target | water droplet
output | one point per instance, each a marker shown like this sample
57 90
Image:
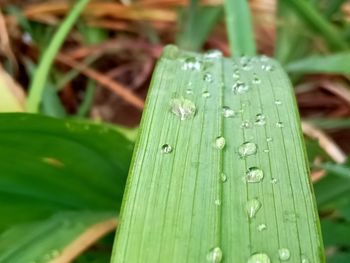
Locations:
183 108
284 254
236 74
269 139
261 227
220 142
240 88
259 258
214 53
274 181
189 91
217 202
166 148
279 124
192 63
246 66
205 94
227 112
254 175
260 119
246 149
266 150
246 124
214 255
223 177
267 67
278 102
253 206
304 259
208 77
256 80
290 216
264 58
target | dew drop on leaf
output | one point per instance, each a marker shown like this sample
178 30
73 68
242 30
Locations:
223 177
278 102
214 255
240 88
192 63
284 254
227 112
206 94
260 119
183 108
220 142
279 124
259 258
208 77
247 149
261 227
254 175
252 207
166 148
212 54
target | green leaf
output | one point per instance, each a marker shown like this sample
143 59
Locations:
338 63
335 233
342 257
46 240
315 21
195 25
190 196
49 165
239 28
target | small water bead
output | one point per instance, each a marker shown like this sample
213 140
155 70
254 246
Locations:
166 148
247 149
259 258
261 227
266 150
206 94
183 108
240 88
189 91
208 77
278 102
274 181
252 207
260 119
284 254
227 112
192 63
247 66
236 74
304 259
256 80
223 177
279 124
220 142
269 139
214 255
214 53
264 58
254 175
217 202
246 124
267 67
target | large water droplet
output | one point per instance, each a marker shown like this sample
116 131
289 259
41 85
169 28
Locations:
208 77
166 148
260 119
254 175
279 124
227 112
259 258
214 255
246 149
220 142
252 207
261 227
214 53
284 254
240 88
183 108
192 63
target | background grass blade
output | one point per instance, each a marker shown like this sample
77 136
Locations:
187 198
239 28
338 63
195 25
38 84
314 19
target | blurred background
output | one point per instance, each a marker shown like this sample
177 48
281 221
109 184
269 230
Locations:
103 71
